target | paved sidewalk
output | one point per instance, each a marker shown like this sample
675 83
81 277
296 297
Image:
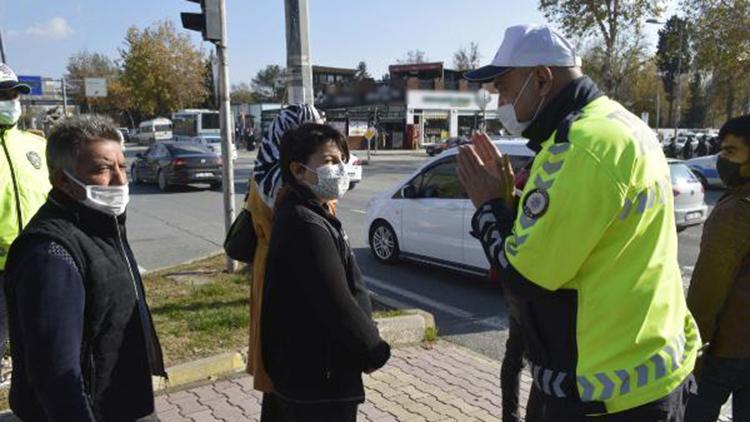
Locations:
442 383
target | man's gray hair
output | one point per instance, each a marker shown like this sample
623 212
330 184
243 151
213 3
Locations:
69 135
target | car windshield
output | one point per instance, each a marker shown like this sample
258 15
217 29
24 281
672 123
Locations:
188 149
210 121
681 174
213 140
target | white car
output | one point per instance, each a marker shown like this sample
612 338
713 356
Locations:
213 143
354 168
705 169
690 208
427 217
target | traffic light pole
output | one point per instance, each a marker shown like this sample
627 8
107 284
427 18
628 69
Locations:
226 129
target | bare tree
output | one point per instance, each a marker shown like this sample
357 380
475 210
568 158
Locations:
467 58
413 57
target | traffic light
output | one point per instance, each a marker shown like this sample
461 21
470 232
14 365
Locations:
208 22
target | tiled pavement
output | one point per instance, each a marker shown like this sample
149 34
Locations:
441 383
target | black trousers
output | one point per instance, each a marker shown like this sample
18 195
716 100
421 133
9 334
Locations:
286 411
510 372
667 409
720 378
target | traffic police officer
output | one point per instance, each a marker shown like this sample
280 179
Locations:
24 178
591 253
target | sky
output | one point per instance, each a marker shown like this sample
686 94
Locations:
40 35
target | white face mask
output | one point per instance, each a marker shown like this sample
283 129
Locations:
110 200
333 181
507 114
10 112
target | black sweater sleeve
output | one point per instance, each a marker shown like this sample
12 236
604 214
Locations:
50 302
327 287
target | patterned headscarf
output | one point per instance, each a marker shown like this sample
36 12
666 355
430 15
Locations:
267 173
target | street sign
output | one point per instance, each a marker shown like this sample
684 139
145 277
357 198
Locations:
95 87
35 82
371 132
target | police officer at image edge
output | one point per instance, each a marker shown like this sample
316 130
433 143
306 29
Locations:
24 178
590 254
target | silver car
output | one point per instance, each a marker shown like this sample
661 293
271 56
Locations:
689 205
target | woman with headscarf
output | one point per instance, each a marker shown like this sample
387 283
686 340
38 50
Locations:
263 188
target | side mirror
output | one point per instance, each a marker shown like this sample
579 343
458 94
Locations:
409 191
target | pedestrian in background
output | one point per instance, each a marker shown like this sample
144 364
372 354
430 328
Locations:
263 188
83 343
317 333
592 254
24 181
719 294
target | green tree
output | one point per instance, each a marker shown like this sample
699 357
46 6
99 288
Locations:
697 110
606 20
362 72
242 94
162 70
674 58
467 58
266 85
94 65
722 50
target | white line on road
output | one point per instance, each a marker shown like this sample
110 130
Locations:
359 211
494 323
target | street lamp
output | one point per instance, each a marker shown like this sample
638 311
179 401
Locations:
679 72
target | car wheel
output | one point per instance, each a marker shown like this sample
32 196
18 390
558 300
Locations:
352 185
162 179
134 175
216 186
383 243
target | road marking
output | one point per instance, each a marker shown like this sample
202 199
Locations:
142 270
358 211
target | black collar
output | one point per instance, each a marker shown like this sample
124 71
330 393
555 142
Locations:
304 195
576 95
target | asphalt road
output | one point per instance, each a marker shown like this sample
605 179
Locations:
169 228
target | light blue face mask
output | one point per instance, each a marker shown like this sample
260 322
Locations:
10 112
110 200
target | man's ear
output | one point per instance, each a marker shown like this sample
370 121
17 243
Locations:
544 80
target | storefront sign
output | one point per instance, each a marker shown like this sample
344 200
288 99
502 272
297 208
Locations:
357 128
447 100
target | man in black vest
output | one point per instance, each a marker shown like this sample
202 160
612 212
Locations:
82 339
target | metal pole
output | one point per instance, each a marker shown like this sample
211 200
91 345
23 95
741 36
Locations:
226 129
369 140
2 48
658 106
298 67
65 97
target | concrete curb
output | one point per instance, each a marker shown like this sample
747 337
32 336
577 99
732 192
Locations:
409 328
204 369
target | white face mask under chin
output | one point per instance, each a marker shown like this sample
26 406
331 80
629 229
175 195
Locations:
506 113
10 112
333 181
112 200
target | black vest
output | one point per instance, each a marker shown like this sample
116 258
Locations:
117 322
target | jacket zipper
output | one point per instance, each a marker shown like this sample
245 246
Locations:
15 182
127 260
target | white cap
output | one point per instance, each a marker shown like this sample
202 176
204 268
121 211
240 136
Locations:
528 46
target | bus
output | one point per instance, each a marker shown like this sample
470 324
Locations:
150 131
192 123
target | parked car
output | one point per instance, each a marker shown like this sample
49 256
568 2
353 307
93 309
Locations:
172 163
125 133
705 170
354 169
435 149
212 142
690 208
427 217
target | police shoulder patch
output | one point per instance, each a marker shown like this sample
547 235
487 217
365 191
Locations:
34 159
536 203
